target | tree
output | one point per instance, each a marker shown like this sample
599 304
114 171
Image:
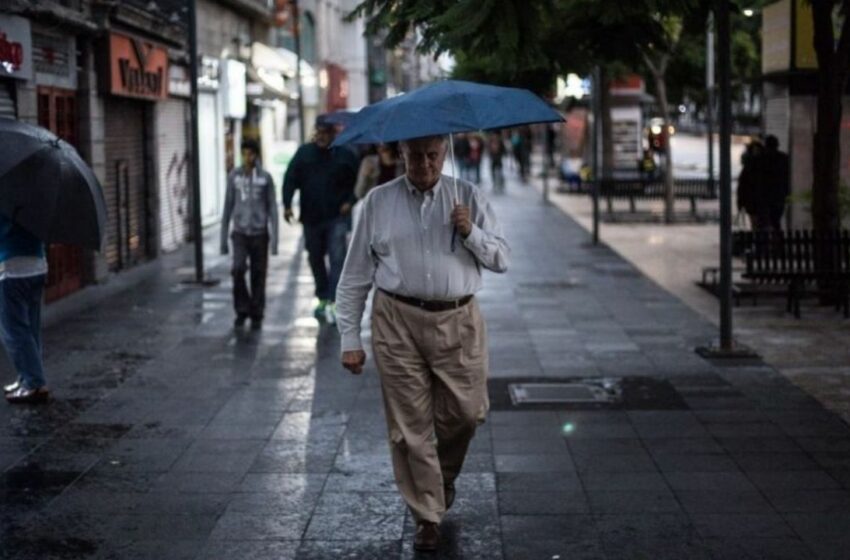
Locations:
513 39
657 58
833 56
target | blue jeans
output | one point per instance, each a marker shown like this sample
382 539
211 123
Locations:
327 239
20 323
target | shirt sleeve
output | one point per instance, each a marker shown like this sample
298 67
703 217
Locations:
273 212
485 241
291 178
228 210
356 281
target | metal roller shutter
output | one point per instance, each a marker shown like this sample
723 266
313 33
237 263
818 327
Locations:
7 102
173 159
126 188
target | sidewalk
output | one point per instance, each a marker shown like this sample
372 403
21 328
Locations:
173 437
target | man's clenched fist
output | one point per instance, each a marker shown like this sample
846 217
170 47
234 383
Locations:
353 361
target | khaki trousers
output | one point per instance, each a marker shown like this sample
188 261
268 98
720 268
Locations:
433 368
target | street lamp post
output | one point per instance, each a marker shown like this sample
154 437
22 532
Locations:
200 278
296 31
709 87
726 348
596 106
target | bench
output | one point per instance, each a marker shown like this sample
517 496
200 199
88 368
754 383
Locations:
632 189
800 259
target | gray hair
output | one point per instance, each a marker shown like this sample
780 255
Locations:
444 138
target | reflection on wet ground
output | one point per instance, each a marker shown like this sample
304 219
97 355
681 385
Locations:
174 436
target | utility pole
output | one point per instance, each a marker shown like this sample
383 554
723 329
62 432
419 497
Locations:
709 88
726 348
296 32
195 163
596 106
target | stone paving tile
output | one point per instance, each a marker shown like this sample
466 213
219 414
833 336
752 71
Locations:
173 436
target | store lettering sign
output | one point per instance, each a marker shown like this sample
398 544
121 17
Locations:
137 68
15 48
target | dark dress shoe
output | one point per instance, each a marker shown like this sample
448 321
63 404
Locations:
11 387
22 395
427 537
449 493
240 320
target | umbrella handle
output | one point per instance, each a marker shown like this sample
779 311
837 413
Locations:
454 181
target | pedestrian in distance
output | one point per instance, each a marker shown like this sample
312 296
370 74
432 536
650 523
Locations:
429 339
376 169
476 151
23 269
325 178
250 203
776 183
496 153
749 184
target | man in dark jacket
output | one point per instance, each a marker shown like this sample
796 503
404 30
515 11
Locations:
250 203
776 184
325 178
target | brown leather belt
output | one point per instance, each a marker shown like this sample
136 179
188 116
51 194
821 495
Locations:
430 305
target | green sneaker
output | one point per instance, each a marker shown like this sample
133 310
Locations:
330 313
319 312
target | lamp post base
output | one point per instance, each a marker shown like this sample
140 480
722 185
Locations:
737 352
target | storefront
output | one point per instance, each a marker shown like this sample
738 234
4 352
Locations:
172 147
54 55
16 61
211 135
134 74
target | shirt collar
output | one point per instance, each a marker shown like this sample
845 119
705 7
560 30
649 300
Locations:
411 188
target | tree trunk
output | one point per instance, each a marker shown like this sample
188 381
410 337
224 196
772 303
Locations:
669 195
607 126
832 72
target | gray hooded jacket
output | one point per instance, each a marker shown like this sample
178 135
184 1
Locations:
251 203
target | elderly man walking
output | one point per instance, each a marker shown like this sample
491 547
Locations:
428 337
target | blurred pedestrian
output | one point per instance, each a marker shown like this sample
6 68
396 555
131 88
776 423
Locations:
325 178
749 184
378 168
476 149
23 269
647 166
776 182
428 337
250 202
461 141
496 153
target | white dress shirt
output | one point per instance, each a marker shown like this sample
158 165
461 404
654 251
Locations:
402 244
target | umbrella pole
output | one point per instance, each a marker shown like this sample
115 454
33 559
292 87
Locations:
454 166
454 181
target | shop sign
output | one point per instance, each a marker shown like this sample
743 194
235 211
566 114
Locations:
15 48
54 57
233 77
179 82
208 73
137 68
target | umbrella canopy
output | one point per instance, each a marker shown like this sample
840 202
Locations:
46 187
445 107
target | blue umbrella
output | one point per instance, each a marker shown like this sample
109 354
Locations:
443 108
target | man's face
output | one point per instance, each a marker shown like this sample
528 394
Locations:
248 157
423 160
323 136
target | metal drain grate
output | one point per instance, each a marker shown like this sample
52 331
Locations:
600 391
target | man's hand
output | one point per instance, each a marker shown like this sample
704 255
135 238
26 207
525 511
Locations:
288 215
460 219
353 361
345 209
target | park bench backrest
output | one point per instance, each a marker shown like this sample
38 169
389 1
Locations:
799 253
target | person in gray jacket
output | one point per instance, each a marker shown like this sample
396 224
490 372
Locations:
251 204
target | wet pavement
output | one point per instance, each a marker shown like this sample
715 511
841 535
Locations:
173 436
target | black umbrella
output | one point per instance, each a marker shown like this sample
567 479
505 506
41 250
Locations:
46 187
